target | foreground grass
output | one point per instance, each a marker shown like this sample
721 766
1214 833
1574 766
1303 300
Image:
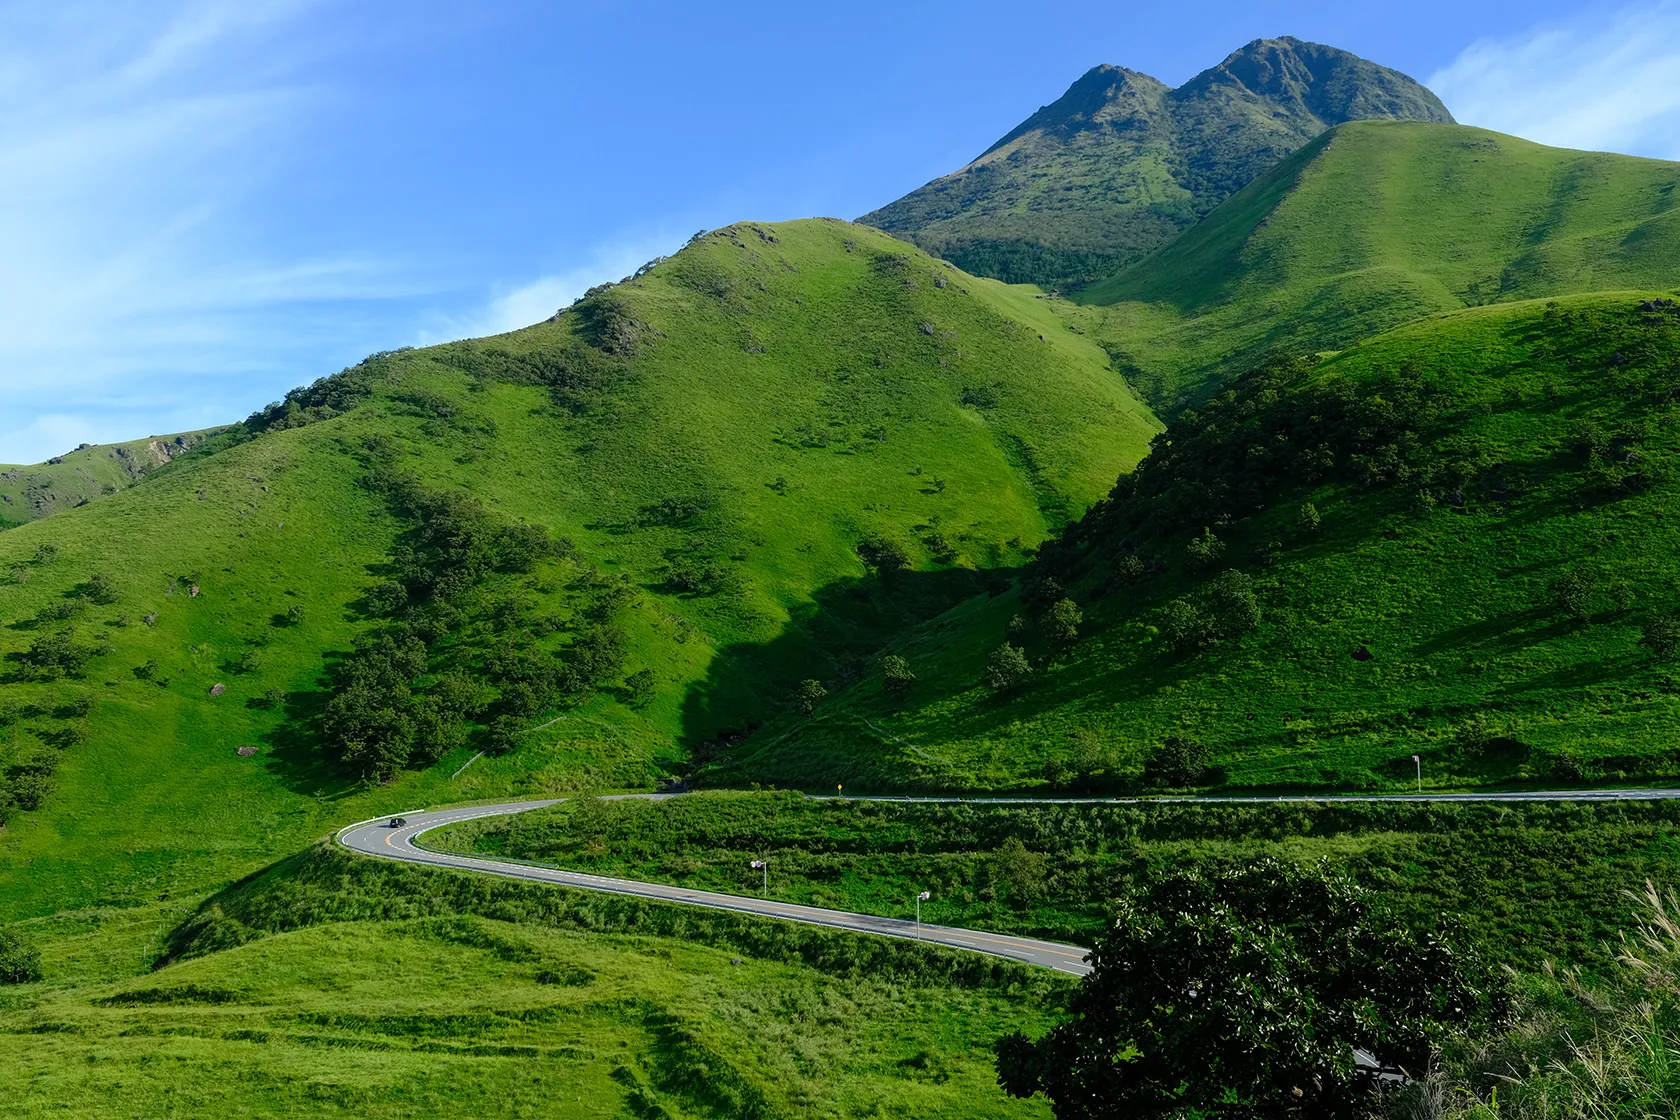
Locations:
471 1016
1536 881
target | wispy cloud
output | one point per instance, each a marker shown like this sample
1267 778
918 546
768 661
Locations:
1606 81
532 302
131 145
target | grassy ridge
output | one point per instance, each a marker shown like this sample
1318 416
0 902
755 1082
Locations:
1426 609
86 474
1373 225
752 408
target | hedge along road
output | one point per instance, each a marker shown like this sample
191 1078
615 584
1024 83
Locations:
377 838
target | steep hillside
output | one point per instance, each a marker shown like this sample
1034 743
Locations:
1457 541
90 472
1120 163
567 546
1373 225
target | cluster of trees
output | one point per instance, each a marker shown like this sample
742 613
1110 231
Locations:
27 780
1223 611
450 650
325 398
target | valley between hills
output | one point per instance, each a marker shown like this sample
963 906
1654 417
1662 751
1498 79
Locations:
1269 435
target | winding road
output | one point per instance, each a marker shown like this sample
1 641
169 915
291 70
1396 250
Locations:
377 838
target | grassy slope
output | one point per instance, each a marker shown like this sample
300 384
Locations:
1454 605
436 1017
83 475
794 351
1373 225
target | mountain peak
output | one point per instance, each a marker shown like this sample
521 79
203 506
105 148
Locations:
1121 163
1331 84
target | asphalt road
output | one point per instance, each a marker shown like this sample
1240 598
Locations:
377 838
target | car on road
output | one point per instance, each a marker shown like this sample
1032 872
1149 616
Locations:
396 822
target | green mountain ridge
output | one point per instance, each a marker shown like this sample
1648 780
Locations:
90 472
1121 163
1372 225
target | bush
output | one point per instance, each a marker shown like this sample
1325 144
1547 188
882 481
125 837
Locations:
883 555
1236 609
896 676
1177 761
1184 627
640 686
1661 634
98 588
1061 622
808 695
1006 668
1204 551
19 962
1573 591
1308 520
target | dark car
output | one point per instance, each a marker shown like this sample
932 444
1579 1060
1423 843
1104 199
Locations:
397 822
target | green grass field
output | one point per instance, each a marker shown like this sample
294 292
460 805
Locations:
427 1017
1531 881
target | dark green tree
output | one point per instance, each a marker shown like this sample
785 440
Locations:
1006 668
1061 622
1573 591
883 555
1245 992
1185 627
1177 761
1236 609
641 687
1661 634
896 676
1204 551
808 695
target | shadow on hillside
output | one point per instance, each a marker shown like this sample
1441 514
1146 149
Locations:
834 638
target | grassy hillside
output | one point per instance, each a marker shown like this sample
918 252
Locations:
460 1014
1456 540
90 472
591 528
1374 225
1120 163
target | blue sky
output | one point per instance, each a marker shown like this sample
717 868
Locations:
204 203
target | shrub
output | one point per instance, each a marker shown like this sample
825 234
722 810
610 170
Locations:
1236 609
1661 634
1184 626
97 588
19 961
1006 668
640 686
1177 761
808 695
1204 551
1061 622
1307 521
1573 591
896 676
883 555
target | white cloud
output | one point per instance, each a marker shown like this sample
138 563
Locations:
535 301
1604 82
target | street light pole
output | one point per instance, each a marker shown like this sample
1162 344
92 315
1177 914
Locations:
923 897
763 865
1419 760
